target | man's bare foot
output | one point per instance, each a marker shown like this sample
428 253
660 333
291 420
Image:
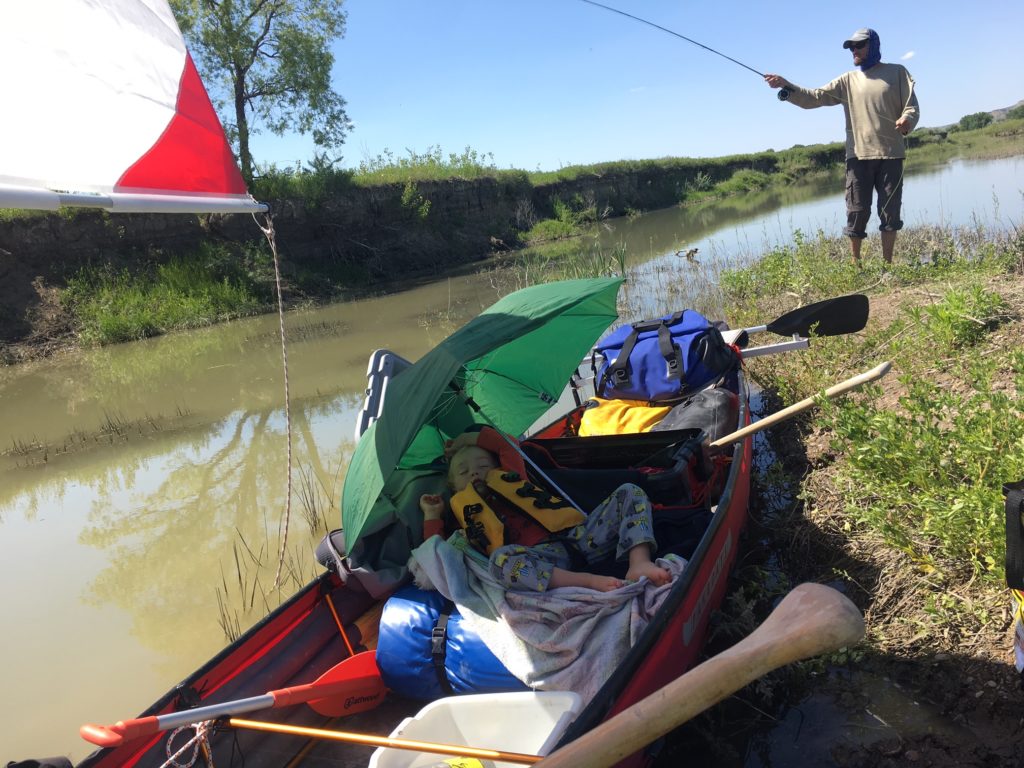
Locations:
658 576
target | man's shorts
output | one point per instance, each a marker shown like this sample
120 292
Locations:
864 177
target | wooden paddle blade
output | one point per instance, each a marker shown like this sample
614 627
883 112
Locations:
355 685
831 317
811 620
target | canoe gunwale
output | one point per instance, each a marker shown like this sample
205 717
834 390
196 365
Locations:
610 699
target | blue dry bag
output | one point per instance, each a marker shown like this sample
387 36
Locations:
424 650
661 360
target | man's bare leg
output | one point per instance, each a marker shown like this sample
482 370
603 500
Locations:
855 249
888 245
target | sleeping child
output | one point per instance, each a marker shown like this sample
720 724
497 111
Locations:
535 541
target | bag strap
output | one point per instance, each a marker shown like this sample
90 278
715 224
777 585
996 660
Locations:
1014 534
671 352
653 325
439 647
619 371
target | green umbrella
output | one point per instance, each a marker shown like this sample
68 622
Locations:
513 360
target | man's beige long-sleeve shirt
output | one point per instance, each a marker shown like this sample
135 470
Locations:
873 101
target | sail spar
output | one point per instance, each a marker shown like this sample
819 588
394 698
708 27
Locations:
104 108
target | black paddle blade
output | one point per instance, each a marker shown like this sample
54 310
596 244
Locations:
831 317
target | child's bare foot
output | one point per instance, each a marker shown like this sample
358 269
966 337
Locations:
603 583
658 576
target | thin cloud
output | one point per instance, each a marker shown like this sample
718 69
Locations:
907 55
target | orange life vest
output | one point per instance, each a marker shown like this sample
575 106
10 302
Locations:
505 509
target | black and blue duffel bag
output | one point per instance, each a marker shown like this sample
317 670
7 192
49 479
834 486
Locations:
662 360
425 651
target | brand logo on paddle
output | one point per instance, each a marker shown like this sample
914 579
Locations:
355 701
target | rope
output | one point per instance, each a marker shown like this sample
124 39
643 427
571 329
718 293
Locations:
268 231
200 741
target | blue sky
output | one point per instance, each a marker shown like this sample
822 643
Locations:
542 84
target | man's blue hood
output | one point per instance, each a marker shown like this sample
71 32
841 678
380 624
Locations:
874 51
874 54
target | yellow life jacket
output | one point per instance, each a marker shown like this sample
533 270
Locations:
505 509
620 417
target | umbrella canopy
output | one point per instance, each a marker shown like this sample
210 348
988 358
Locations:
513 360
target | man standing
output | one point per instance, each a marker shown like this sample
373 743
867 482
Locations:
881 108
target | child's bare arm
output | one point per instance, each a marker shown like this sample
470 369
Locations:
432 506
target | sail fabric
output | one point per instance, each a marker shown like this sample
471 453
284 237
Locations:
104 107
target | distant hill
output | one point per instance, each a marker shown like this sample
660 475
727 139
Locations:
997 115
1000 114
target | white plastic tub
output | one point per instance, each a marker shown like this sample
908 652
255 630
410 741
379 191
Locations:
529 723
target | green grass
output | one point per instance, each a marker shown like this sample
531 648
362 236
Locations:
561 261
571 219
820 265
923 473
188 292
432 165
927 476
745 180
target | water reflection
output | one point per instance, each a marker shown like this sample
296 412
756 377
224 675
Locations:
138 481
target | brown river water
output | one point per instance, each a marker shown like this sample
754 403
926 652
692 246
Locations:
142 485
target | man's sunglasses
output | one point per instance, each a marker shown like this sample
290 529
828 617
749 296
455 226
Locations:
858 46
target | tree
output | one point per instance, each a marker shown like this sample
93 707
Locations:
1016 113
268 63
977 120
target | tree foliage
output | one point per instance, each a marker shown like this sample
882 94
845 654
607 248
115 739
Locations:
1017 113
977 120
267 64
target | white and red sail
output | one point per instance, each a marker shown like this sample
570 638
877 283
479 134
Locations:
103 107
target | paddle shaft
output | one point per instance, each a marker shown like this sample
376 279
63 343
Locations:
387 741
811 620
352 685
845 386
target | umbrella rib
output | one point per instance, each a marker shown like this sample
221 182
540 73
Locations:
544 396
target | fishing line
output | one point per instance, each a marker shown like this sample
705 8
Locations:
783 92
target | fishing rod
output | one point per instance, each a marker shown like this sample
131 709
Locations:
783 92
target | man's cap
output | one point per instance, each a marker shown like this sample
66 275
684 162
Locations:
861 34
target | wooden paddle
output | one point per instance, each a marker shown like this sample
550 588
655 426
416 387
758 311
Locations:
811 620
353 685
844 386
